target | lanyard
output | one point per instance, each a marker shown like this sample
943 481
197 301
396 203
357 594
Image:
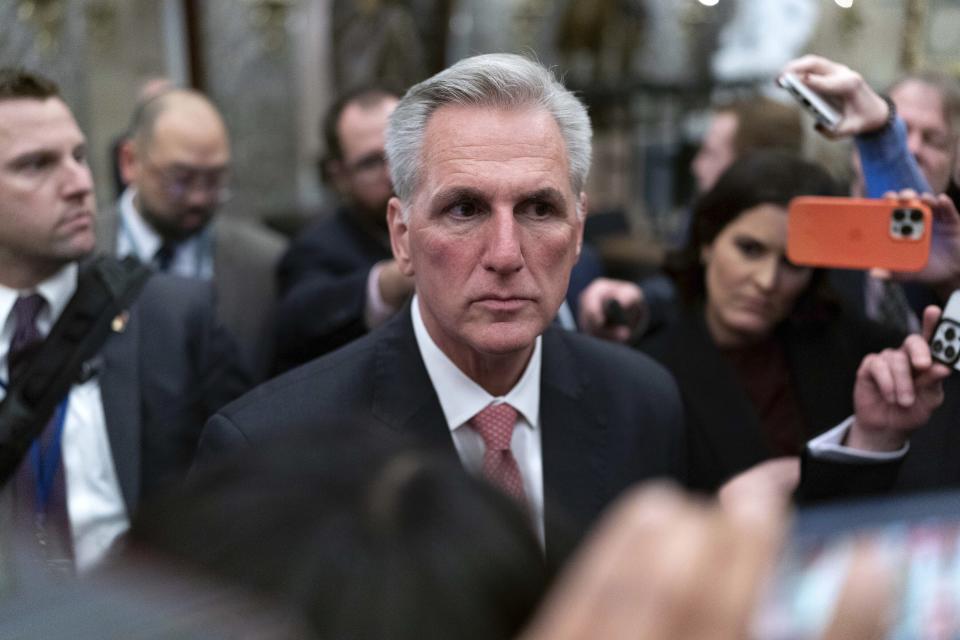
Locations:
45 460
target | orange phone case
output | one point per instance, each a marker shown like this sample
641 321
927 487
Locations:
859 233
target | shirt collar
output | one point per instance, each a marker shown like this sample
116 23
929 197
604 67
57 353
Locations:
142 239
460 397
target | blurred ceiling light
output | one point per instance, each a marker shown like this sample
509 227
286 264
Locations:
709 3
846 4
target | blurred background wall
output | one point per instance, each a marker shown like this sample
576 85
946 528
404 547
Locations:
647 68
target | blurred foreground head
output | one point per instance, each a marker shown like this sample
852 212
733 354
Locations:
367 538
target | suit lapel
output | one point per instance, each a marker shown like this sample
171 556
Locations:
574 435
403 396
120 391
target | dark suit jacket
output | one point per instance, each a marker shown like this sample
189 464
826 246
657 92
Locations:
610 417
724 432
322 280
169 369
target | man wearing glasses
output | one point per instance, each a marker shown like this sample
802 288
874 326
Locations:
177 163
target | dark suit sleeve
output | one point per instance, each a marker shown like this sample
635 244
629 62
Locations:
825 480
220 437
220 373
319 315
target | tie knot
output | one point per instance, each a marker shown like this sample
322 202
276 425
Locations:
164 255
495 425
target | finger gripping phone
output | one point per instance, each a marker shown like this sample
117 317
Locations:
818 107
859 233
945 343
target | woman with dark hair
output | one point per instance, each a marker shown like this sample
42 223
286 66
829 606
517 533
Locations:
764 356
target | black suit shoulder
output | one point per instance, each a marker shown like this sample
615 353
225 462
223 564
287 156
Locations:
323 285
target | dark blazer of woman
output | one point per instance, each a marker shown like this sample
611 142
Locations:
723 427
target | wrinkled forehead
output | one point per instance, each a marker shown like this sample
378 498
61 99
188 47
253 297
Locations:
464 141
920 104
28 124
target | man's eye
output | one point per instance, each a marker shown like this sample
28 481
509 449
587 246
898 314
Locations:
80 155
35 163
464 209
538 209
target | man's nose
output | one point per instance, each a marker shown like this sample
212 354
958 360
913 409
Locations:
504 253
78 182
914 142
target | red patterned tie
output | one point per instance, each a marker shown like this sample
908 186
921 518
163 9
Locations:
495 425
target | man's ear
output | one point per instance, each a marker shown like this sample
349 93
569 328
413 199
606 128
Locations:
129 162
582 211
399 236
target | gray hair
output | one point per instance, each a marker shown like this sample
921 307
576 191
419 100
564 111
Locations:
499 80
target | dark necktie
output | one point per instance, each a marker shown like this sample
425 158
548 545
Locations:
495 425
26 337
48 522
163 258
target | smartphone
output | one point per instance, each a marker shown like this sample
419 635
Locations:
917 535
945 343
822 110
859 233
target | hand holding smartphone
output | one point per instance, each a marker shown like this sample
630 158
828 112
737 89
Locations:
826 115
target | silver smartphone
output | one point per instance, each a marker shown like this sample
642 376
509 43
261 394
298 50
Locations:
945 343
822 110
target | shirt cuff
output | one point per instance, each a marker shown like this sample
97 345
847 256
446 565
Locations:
828 446
376 311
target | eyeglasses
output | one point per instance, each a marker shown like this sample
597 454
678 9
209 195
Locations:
179 181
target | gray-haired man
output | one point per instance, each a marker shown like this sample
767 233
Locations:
489 159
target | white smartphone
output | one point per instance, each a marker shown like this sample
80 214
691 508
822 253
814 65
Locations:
945 343
822 110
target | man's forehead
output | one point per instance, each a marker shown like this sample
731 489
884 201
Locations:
491 148
358 119
917 99
29 123
190 134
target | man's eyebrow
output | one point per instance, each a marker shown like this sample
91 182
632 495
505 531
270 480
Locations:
454 194
547 193
32 155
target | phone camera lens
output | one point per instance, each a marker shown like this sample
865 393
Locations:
906 230
950 334
915 216
898 215
950 353
937 346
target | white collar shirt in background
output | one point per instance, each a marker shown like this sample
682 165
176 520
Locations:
193 257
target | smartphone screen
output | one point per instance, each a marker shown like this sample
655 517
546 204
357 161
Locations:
919 535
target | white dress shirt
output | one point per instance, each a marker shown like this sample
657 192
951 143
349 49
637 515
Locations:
95 504
461 398
193 257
